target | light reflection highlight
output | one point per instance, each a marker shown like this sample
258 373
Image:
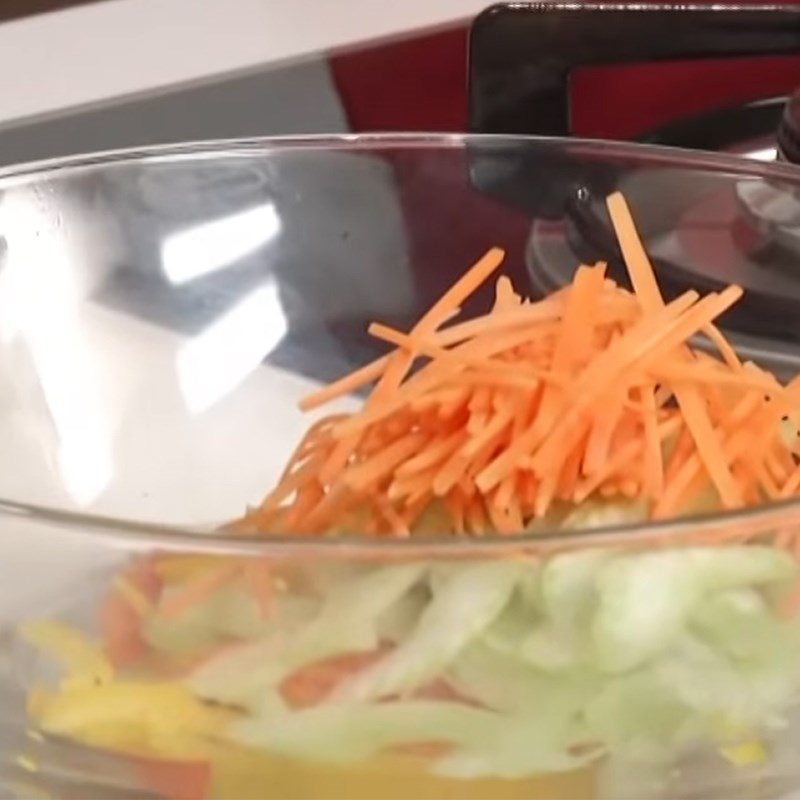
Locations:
202 249
763 154
215 362
41 299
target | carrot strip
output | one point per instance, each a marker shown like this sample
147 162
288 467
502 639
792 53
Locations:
494 429
465 286
435 453
640 270
504 295
454 502
723 346
595 389
646 289
620 459
475 518
474 352
449 474
735 445
397 524
398 364
505 492
346 385
596 377
775 467
681 451
653 462
367 474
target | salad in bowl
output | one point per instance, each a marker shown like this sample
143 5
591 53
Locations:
536 560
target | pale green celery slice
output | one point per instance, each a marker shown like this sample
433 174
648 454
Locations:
506 683
465 602
543 729
348 618
692 694
569 586
241 674
569 598
678 622
638 716
523 746
192 631
737 695
527 636
397 622
764 648
228 613
518 617
343 732
516 620
486 743
645 598
549 649
551 634
347 622
742 624
327 575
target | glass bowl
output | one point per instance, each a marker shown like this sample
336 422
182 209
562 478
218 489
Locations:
161 314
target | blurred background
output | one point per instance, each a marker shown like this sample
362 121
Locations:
82 76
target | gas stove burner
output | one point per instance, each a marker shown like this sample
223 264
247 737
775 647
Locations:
702 231
716 240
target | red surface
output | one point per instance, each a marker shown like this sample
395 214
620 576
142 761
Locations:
619 102
420 84
414 85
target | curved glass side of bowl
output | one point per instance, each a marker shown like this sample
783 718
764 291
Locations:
162 312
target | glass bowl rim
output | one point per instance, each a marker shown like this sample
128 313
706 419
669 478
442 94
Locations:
720 162
125 532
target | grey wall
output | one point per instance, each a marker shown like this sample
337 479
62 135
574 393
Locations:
295 99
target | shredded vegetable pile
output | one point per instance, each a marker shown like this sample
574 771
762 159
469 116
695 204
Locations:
498 668
590 407
593 391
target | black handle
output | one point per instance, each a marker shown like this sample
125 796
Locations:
522 54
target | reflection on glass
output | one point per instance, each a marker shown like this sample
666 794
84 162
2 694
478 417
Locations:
763 154
205 248
216 361
46 315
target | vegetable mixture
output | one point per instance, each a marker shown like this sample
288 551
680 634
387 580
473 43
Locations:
592 407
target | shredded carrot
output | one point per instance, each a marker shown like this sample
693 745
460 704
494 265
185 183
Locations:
610 411
346 385
311 684
723 346
646 288
653 459
593 391
133 595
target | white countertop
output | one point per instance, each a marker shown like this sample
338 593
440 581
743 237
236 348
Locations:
95 53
